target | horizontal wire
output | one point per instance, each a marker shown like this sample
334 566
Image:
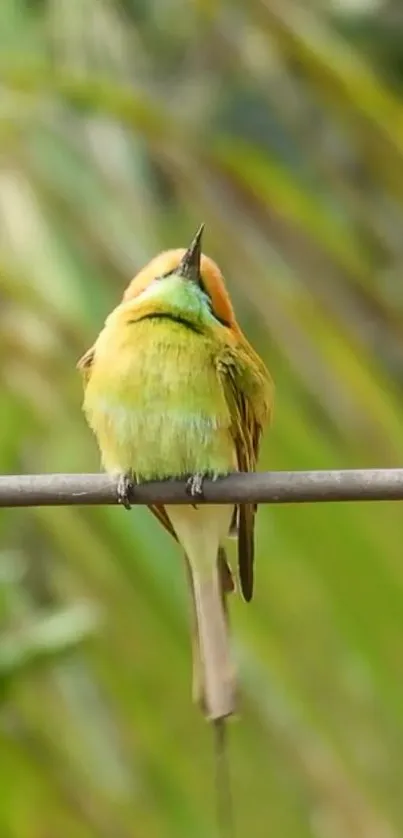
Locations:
259 487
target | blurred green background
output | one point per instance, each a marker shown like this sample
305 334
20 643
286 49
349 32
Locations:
123 125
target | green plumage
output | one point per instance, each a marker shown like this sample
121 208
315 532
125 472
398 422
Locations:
173 388
155 397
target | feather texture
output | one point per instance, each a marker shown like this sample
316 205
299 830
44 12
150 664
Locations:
172 388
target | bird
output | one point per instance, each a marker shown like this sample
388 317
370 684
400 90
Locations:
173 389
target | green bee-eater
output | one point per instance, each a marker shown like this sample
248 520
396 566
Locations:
173 388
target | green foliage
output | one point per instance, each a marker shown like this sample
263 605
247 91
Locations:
123 125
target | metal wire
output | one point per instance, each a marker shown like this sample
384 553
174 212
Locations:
260 487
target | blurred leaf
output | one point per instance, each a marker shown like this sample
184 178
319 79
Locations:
122 126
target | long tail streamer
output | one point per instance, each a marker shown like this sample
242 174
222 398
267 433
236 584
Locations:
223 784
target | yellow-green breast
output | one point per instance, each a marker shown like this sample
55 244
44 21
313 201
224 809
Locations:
155 400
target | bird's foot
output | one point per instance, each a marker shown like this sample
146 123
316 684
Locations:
194 485
126 484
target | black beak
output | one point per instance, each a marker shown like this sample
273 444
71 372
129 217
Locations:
189 266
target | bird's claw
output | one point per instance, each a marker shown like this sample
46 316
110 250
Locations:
124 489
194 485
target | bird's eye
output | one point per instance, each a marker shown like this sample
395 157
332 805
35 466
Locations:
164 276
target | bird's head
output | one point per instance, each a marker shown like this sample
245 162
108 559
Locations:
189 266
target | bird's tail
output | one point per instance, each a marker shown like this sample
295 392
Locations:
200 643
217 673
200 532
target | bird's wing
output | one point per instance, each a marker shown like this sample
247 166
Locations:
162 517
248 391
85 364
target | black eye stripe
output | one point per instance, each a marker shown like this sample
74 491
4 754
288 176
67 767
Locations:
220 320
165 275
